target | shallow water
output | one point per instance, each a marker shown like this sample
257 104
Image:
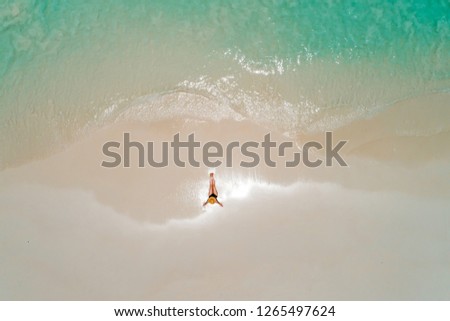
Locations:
298 66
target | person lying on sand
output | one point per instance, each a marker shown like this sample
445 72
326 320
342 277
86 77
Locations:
212 191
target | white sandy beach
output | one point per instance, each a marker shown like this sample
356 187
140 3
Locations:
376 230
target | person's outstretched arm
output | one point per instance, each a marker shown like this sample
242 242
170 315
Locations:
219 203
204 204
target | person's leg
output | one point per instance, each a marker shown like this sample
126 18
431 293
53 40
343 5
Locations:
211 184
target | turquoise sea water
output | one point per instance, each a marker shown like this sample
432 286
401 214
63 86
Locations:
302 65
410 34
